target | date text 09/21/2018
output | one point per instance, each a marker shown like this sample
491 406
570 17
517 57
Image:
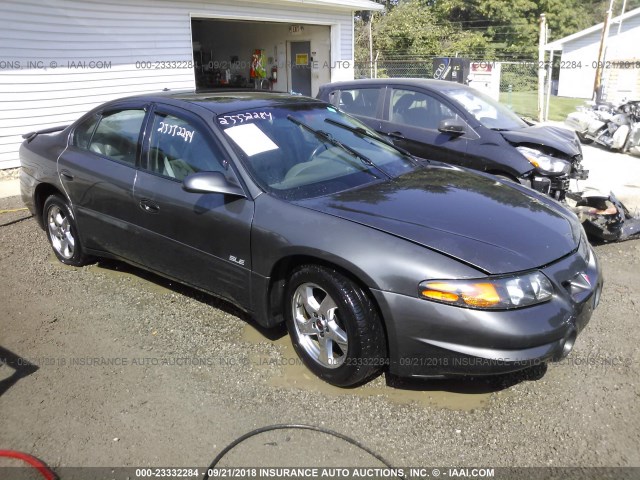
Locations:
575 64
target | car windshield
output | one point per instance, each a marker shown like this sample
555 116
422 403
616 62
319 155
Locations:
485 109
308 150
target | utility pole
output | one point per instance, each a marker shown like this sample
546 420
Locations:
597 84
541 43
624 8
370 46
547 100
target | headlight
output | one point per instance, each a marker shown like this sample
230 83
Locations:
543 162
494 294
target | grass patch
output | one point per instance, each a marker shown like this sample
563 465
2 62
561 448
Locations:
525 104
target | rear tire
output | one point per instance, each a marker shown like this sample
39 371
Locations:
334 326
62 232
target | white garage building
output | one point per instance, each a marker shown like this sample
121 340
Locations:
60 58
621 75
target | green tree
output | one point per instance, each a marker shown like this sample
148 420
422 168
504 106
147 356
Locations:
511 26
477 29
411 27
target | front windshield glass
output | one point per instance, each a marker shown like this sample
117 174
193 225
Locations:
308 150
485 109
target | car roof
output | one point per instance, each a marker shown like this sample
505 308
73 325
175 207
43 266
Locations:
221 102
407 82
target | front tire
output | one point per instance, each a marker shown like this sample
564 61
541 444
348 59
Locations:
334 326
62 232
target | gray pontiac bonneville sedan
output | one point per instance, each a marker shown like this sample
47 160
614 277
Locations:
298 213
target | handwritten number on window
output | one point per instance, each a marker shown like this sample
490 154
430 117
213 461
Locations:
176 130
241 118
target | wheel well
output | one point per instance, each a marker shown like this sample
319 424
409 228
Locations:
43 191
502 173
281 273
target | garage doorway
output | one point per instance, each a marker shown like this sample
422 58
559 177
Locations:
244 54
300 67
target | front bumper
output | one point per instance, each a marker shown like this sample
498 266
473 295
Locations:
432 339
555 186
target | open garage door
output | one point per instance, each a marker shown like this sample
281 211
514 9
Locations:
261 55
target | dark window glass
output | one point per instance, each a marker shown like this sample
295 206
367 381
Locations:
417 109
83 132
178 149
360 101
117 135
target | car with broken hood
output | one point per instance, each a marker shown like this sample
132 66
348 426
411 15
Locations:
454 123
300 214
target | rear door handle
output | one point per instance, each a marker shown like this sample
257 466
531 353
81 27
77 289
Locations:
149 206
66 174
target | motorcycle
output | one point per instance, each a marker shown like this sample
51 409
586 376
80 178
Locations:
616 127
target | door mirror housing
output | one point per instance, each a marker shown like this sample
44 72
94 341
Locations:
211 182
453 126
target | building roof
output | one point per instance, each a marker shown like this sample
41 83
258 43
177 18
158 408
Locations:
559 44
352 5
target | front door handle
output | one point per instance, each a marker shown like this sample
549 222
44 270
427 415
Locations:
396 135
149 206
66 174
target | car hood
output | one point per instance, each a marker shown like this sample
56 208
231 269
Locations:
474 218
558 138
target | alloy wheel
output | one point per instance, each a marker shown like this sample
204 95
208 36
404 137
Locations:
318 326
60 232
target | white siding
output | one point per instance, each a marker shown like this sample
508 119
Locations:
578 82
37 93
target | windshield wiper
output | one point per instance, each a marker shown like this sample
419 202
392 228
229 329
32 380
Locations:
322 135
365 133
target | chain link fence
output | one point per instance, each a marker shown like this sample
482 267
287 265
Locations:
405 67
521 76
516 76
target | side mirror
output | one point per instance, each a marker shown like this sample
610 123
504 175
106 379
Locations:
211 182
452 126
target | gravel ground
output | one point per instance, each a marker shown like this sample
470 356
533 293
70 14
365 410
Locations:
189 374
10 174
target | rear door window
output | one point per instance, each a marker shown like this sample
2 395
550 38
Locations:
84 131
117 135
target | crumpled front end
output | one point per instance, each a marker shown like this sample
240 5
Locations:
604 217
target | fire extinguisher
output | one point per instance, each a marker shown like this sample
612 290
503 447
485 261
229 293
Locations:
274 74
